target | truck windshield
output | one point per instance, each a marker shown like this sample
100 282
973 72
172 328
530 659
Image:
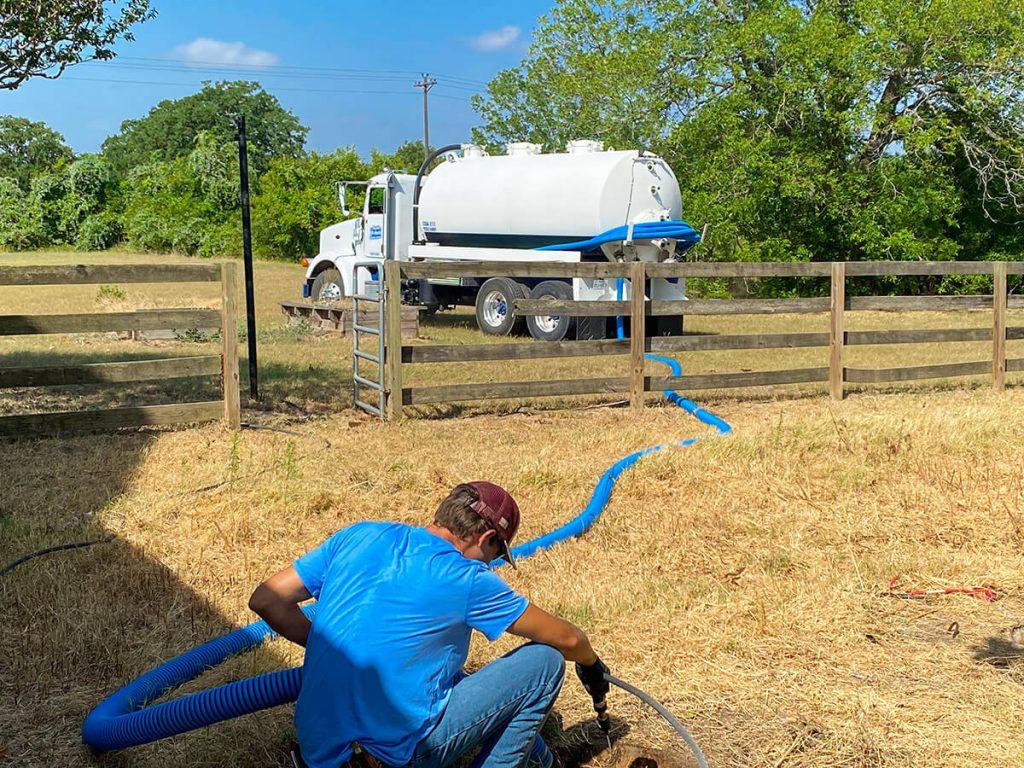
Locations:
375 200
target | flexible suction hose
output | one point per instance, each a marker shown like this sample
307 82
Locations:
658 707
123 719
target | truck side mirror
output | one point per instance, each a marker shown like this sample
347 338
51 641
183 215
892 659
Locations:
341 198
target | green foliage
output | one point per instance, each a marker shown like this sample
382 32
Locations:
28 148
298 198
42 39
843 129
185 205
170 129
19 229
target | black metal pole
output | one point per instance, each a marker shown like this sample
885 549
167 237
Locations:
250 303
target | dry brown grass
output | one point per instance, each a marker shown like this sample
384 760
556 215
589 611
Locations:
741 580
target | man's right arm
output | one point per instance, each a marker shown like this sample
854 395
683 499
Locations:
540 626
277 600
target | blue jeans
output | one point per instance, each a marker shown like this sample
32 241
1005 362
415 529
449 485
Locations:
499 709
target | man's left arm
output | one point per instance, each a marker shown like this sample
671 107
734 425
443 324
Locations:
277 601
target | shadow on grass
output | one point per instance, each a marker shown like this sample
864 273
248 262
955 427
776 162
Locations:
76 625
998 651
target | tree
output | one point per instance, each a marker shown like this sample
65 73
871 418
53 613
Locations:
170 129
42 39
797 128
28 149
188 204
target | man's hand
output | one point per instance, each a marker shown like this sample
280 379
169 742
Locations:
592 677
277 600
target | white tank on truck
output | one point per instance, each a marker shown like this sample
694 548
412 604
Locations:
479 207
526 199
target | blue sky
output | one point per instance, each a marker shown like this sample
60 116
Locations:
462 43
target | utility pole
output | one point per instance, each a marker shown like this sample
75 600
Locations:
426 82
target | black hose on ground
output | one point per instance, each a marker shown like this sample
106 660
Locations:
59 548
416 188
661 710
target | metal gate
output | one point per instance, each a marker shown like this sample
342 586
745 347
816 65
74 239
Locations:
374 295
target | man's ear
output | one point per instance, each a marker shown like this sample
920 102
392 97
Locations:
486 536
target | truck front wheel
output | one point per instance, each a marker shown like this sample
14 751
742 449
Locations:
495 302
550 327
327 287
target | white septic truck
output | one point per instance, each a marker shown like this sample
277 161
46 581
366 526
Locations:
478 207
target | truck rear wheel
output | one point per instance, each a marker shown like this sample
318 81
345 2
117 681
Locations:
327 287
550 327
495 301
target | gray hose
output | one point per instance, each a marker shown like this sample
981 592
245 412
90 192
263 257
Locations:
661 710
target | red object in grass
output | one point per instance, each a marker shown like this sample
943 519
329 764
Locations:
987 594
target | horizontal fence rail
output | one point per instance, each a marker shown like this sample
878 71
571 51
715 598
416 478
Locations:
836 339
224 365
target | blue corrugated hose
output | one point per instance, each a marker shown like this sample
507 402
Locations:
123 719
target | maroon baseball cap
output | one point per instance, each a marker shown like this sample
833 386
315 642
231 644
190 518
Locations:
498 508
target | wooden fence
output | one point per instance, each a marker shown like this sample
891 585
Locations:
225 364
833 371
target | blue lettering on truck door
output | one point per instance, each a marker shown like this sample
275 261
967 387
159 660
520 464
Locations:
375 232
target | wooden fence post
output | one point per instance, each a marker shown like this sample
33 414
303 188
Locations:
999 325
836 330
392 339
638 333
229 339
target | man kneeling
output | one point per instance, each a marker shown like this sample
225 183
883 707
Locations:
384 654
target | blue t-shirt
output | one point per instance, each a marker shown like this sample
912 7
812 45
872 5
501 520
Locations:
396 608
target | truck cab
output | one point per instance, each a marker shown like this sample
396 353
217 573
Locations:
332 275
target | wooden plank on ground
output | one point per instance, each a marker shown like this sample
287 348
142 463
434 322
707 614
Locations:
103 322
229 345
527 350
70 422
917 303
92 274
548 269
108 373
912 373
736 379
508 389
917 336
739 269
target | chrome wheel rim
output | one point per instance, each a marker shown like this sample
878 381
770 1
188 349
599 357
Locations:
330 292
547 323
495 309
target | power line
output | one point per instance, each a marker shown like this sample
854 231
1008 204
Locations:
293 90
391 73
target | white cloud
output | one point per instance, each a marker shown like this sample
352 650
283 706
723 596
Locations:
496 39
203 50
